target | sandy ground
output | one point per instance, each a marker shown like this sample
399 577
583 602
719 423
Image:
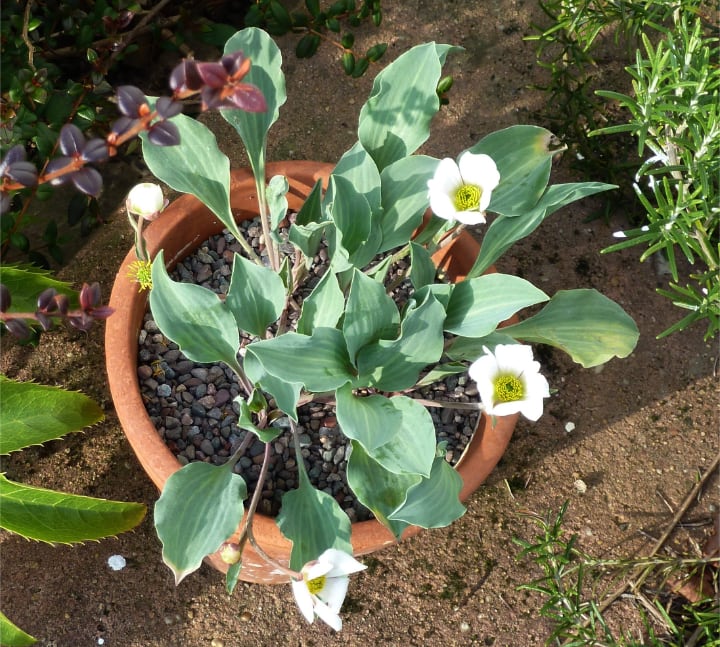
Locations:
645 427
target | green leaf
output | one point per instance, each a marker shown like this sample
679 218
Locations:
200 506
422 268
392 124
323 307
470 348
277 200
506 230
359 169
194 318
441 371
433 502
314 521
265 73
396 364
26 282
478 305
196 165
245 421
404 198
320 362
378 489
32 414
370 314
59 518
523 158
372 421
256 296
584 323
12 636
232 575
286 393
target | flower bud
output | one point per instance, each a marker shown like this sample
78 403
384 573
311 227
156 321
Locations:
230 553
146 200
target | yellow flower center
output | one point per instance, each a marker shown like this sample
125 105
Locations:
316 584
508 388
467 197
141 272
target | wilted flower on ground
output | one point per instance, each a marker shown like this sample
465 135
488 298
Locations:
324 582
461 191
509 381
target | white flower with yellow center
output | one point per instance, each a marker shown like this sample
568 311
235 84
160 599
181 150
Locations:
461 191
146 200
323 586
509 381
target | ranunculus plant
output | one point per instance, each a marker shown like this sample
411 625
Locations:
352 344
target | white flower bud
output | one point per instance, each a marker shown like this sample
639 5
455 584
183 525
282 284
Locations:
146 200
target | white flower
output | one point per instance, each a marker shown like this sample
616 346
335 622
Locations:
146 200
462 191
509 381
324 582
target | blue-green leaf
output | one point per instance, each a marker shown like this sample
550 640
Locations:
584 323
200 506
422 268
277 200
370 314
478 305
265 73
194 318
323 307
523 157
359 169
256 296
320 362
314 521
372 420
286 393
433 502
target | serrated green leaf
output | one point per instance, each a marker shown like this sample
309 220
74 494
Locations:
256 296
194 318
12 636
59 518
200 506
478 305
584 323
32 414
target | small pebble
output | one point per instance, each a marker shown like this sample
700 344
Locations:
116 562
580 486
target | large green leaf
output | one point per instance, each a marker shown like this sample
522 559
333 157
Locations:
506 230
26 282
320 362
323 307
370 314
286 393
12 636
194 318
433 502
32 414
314 521
412 448
265 73
256 296
59 518
584 323
394 365
372 420
478 305
394 122
404 198
523 155
196 165
378 489
200 506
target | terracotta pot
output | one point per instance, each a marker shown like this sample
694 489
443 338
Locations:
182 227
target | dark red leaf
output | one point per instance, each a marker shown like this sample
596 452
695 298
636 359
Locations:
72 141
88 180
130 100
164 133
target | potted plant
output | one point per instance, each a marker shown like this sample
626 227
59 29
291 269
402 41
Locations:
351 343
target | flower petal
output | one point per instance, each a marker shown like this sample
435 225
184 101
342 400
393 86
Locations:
327 615
343 563
304 599
333 594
